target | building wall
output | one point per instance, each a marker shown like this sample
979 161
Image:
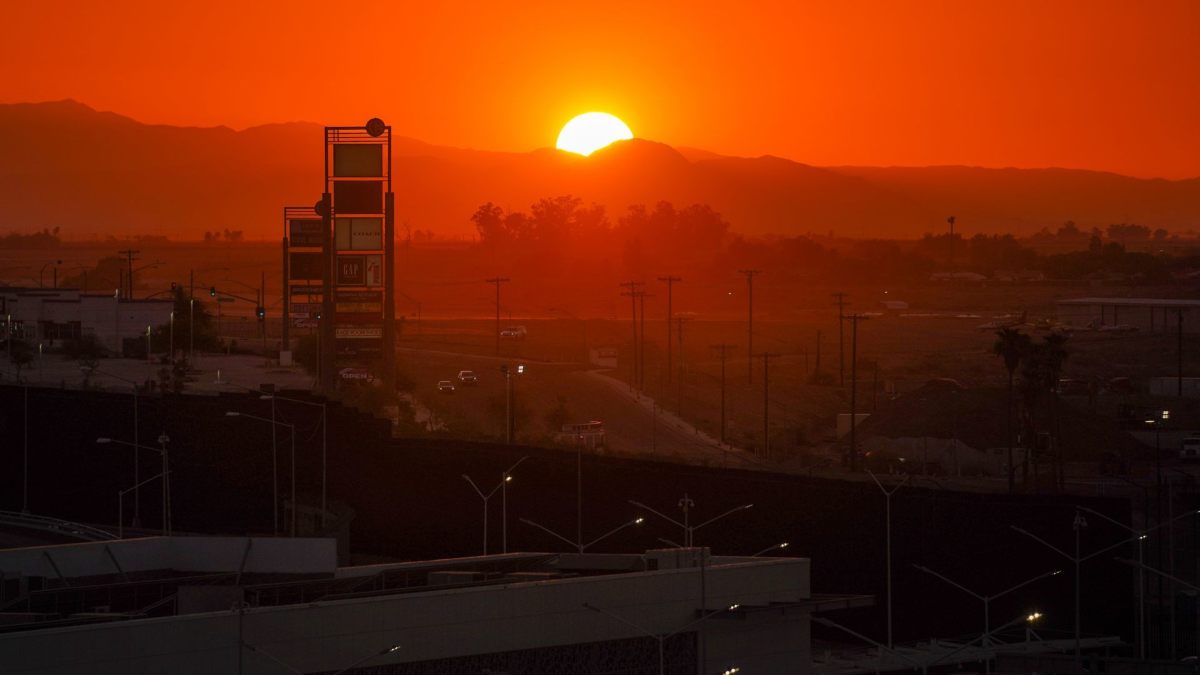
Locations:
329 636
99 315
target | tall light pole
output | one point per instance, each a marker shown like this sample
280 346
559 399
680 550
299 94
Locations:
166 473
689 530
749 274
509 421
137 501
578 544
887 500
987 599
485 498
505 479
275 463
324 444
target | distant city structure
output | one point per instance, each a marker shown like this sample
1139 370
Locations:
47 316
266 605
1143 314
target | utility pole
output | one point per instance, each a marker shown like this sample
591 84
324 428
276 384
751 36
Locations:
192 315
679 333
497 281
669 281
841 305
854 319
951 220
129 254
723 349
750 323
1179 354
766 357
642 295
632 293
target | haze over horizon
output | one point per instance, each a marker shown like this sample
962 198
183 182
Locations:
1103 86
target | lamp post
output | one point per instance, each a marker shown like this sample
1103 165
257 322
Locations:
275 464
887 500
324 443
578 544
661 637
504 480
508 396
163 439
121 502
689 530
137 500
987 599
505 477
777 547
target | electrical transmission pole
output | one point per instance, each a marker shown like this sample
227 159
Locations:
679 333
497 281
632 293
129 257
951 220
766 357
841 305
669 281
723 349
642 295
750 323
854 319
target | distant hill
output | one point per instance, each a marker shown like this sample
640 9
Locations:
65 164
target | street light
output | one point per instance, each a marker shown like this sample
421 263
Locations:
383 652
987 599
324 442
579 544
689 530
661 637
505 477
275 464
163 439
508 395
137 500
777 547
887 499
121 502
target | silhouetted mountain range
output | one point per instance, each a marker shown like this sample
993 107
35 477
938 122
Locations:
65 164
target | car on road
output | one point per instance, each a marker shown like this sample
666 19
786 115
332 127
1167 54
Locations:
468 377
514 333
446 386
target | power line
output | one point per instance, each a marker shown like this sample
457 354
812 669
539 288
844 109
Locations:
766 357
723 349
129 254
669 281
750 323
841 305
632 293
497 281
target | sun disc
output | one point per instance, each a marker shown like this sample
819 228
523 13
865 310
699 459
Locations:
591 131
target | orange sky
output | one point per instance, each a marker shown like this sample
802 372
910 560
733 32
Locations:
1112 85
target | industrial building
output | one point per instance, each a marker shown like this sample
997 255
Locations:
48 315
272 605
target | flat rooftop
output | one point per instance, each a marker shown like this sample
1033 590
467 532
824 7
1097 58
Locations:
1132 302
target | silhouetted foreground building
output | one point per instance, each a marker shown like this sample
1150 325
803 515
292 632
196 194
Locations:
266 605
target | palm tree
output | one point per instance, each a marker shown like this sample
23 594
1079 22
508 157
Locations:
1012 345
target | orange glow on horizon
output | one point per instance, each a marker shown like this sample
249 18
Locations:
1094 84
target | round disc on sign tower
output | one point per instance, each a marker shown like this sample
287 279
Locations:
376 127
321 207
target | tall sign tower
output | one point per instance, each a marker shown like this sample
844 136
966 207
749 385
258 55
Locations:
304 270
358 223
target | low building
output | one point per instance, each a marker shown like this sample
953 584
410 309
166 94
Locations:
47 315
266 605
1143 314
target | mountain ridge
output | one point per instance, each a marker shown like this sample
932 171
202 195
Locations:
93 172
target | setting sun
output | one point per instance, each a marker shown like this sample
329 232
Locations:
591 131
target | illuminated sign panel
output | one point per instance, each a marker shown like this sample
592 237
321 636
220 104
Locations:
352 270
305 233
358 234
353 160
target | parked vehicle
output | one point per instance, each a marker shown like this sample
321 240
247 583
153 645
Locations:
445 386
468 377
514 333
